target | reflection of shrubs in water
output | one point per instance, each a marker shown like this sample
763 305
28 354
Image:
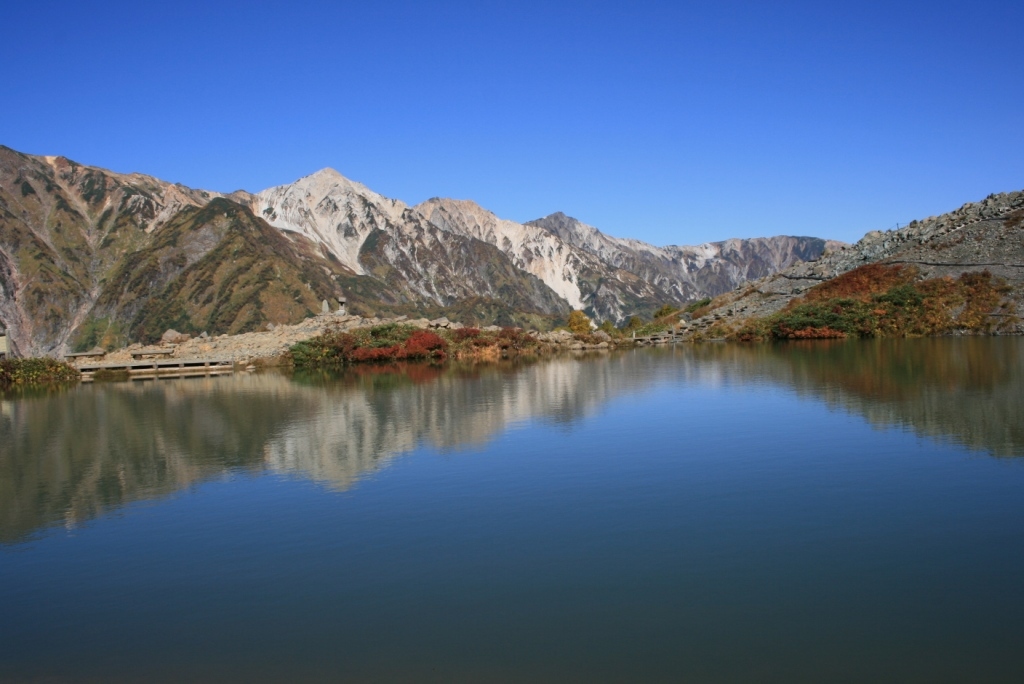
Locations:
888 301
27 373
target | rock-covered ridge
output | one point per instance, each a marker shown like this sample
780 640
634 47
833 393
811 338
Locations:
979 236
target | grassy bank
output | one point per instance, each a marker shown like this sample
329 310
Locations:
889 301
35 373
396 342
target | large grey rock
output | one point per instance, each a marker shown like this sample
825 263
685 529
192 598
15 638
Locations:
174 337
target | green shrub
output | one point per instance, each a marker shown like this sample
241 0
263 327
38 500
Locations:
633 324
693 306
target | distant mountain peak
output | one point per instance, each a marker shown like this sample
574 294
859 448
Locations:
326 173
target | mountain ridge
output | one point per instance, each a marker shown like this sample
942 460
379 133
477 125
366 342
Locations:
93 257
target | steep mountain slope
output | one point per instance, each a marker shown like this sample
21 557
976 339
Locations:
613 278
63 226
688 273
382 238
583 280
214 268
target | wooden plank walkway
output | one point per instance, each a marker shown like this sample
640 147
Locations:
152 369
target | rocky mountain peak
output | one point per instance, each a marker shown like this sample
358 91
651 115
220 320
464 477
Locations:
331 210
464 216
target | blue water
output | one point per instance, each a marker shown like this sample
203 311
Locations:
805 513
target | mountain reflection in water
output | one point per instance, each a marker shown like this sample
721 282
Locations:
71 456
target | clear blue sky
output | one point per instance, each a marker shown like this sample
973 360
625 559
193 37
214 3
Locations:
669 122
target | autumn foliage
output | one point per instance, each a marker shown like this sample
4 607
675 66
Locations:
385 343
889 301
392 343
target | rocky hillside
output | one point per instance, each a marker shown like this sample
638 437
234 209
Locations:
89 258
978 237
92 257
688 273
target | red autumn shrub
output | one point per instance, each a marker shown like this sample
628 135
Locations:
423 344
463 334
364 354
863 282
425 339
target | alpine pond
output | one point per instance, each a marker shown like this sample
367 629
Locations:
828 511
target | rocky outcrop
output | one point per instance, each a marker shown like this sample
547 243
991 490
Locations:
979 236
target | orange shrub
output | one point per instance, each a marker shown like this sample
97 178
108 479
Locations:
862 282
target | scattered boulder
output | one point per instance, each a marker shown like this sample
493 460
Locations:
442 322
174 337
603 336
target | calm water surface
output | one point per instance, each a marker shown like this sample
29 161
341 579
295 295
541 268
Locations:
831 512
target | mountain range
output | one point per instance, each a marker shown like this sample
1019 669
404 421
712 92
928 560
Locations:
89 257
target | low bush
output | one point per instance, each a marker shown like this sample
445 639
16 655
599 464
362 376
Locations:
665 310
693 306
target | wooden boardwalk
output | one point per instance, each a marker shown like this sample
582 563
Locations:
153 369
